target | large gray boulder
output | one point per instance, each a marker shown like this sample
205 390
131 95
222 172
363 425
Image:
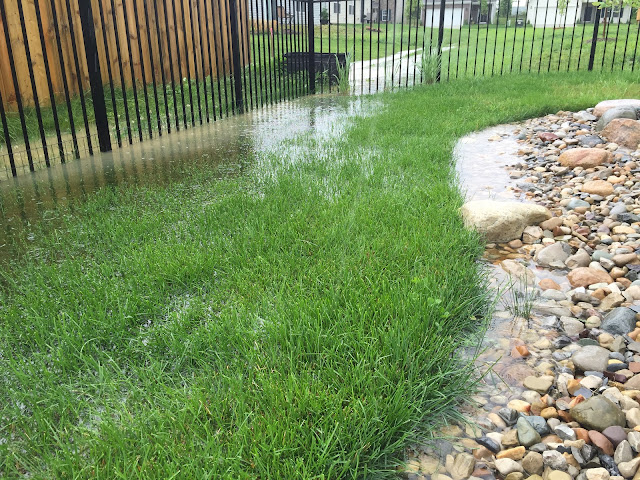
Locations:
502 221
625 111
602 107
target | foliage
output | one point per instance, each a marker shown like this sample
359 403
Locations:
617 3
429 65
505 7
562 6
342 76
484 7
412 10
324 15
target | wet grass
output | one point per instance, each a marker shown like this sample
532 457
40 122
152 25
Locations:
302 321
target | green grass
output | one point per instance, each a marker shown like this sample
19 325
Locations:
303 321
488 49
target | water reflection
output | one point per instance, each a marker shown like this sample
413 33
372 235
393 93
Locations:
228 146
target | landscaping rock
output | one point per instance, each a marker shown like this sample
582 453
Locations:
598 413
619 321
602 107
591 358
554 255
584 157
623 111
583 277
502 221
623 131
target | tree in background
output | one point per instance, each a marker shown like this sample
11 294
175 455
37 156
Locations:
504 10
412 10
608 5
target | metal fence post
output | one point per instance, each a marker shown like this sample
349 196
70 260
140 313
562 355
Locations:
237 64
440 38
312 48
594 39
95 76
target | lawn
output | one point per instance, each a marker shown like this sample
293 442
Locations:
475 50
302 321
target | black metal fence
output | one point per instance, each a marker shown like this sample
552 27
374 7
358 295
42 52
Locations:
77 76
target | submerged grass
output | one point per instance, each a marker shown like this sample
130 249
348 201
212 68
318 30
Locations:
303 324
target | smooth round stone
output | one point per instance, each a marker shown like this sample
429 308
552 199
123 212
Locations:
527 434
598 413
602 442
533 463
506 466
615 434
591 357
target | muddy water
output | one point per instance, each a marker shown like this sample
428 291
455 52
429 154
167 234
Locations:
228 146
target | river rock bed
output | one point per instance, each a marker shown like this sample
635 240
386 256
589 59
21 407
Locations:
562 398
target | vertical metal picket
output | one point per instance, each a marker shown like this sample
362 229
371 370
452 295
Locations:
312 48
95 75
594 40
440 37
237 64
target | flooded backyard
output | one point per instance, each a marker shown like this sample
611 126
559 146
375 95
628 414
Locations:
227 147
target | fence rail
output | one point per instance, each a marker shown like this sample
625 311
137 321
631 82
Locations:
77 76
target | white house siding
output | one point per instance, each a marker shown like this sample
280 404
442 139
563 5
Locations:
264 9
453 17
350 11
545 13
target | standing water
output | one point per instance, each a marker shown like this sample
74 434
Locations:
228 147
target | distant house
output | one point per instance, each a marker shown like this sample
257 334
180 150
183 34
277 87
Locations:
547 13
457 13
285 12
361 11
393 11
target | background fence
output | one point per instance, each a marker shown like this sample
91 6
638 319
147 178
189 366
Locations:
77 76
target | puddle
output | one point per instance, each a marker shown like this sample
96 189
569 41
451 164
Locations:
481 161
229 146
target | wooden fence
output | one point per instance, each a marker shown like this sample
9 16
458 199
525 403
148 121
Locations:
168 25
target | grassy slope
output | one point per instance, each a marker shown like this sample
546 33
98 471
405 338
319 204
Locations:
296 325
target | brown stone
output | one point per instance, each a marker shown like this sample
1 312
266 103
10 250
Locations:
551 439
515 453
520 351
549 412
510 439
482 452
602 442
623 131
547 136
585 276
634 366
597 187
551 223
565 416
549 284
582 434
584 157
